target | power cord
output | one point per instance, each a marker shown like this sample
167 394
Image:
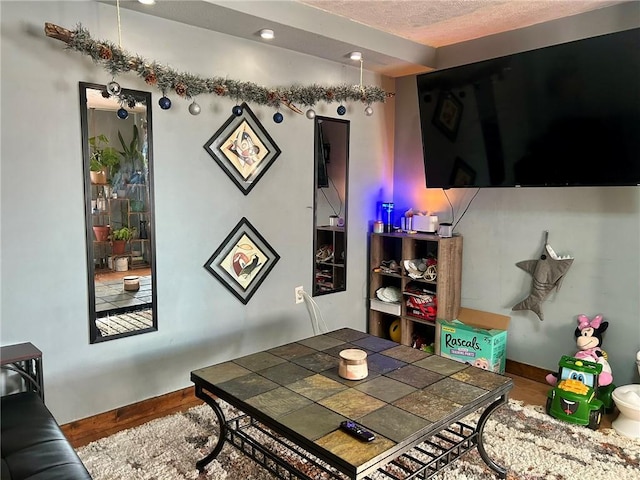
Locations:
453 217
465 210
314 314
339 212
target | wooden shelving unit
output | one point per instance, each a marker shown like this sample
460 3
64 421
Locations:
118 212
330 275
384 247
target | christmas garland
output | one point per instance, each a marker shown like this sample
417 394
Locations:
117 61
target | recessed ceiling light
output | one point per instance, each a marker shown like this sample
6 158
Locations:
147 2
355 55
267 33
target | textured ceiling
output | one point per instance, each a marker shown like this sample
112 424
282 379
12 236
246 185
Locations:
396 37
438 23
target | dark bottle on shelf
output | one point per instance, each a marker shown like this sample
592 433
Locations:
143 229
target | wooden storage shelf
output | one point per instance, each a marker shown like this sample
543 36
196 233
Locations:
330 273
118 212
384 247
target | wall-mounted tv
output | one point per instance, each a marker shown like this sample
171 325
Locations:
322 158
565 115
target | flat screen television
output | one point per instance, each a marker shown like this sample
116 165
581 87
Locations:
322 158
565 115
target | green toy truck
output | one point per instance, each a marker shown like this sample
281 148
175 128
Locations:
577 397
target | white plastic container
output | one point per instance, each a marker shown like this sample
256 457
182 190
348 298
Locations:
121 264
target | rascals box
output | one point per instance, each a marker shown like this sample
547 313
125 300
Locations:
476 337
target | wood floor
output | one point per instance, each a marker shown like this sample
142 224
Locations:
84 431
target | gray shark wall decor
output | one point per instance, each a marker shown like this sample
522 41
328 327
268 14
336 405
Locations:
547 273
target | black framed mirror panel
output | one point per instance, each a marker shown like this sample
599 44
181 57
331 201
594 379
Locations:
331 156
117 151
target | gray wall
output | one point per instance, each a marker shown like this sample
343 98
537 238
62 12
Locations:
44 282
43 273
600 227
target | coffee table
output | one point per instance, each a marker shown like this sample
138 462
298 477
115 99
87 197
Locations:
287 404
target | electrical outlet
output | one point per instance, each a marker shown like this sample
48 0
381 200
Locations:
298 292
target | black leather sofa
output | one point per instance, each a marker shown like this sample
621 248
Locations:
33 445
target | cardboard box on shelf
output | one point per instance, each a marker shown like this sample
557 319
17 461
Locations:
475 337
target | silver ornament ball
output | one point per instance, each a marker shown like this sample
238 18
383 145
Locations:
194 108
368 111
113 88
311 114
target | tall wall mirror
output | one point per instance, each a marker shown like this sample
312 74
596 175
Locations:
330 205
118 186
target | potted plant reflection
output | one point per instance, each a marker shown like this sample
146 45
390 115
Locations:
119 238
104 161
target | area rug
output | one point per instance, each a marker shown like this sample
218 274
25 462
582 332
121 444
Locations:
529 443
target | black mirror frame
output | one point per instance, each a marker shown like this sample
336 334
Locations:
145 98
338 231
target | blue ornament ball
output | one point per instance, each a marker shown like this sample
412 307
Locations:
122 113
164 103
342 110
237 110
277 117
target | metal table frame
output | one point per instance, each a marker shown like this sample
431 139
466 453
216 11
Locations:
26 360
418 459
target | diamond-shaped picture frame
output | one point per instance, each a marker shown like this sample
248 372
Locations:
243 149
242 261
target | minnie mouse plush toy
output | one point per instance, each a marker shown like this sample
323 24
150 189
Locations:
588 335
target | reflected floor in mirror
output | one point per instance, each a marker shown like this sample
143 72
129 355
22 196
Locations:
125 322
111 294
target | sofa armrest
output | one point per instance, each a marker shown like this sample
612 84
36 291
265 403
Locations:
33 443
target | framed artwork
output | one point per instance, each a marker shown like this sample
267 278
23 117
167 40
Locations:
242 261
243 149
462 174
448 114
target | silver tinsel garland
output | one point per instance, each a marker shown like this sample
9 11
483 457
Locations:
117 61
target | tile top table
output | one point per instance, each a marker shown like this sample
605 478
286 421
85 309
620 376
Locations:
408 398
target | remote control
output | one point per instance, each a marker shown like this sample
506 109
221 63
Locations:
357 431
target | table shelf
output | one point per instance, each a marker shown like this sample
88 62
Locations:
289 461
